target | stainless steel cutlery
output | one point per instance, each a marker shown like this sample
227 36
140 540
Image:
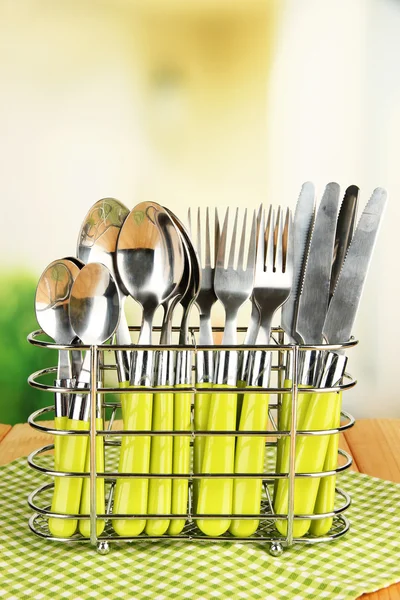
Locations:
94 314
312 267
233 284
272 286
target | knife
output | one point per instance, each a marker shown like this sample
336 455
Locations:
325 501
302 226
312 308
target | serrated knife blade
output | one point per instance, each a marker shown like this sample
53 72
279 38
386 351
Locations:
346 298
302 227
314 298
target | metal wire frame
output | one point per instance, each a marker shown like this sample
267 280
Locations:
341 524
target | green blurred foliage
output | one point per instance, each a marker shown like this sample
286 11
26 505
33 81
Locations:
18 358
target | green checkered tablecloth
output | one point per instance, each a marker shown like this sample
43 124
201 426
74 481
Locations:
366 559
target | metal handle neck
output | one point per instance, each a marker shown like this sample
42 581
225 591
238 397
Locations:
226 368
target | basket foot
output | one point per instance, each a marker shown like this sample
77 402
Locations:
103 548
276 549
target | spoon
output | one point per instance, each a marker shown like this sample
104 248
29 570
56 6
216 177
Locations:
150 262
160 496
51 305
183 400
168 455
94 314
97 242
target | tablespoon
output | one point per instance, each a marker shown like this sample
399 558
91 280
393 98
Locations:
51 306
94 314
150 262
163 419
183 378
163 459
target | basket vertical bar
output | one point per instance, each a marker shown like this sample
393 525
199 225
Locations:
292 455
92 449
281 374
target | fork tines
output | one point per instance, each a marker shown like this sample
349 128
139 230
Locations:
222 248
275 248
203 235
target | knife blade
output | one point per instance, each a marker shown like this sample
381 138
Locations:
302 226
314 298
346 298
344 233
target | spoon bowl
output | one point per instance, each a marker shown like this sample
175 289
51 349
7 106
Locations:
97 242
52 300
150 260
97 239
94 307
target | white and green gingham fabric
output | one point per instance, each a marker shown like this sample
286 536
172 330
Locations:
367 558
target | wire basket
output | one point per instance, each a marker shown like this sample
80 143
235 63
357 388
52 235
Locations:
103 367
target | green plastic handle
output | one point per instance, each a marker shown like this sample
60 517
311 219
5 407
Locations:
310 458
160 490
201 411
215 495
284 417
249 458
67 490
60 423
84 524
181 460
130 497
240 384
326 492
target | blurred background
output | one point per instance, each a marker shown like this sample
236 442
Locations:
207 102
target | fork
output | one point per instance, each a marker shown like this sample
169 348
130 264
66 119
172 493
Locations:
233 286
272 286
204 360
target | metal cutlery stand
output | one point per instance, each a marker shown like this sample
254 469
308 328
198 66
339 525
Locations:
40 499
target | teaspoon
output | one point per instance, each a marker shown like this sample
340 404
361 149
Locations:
94 314
51 305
